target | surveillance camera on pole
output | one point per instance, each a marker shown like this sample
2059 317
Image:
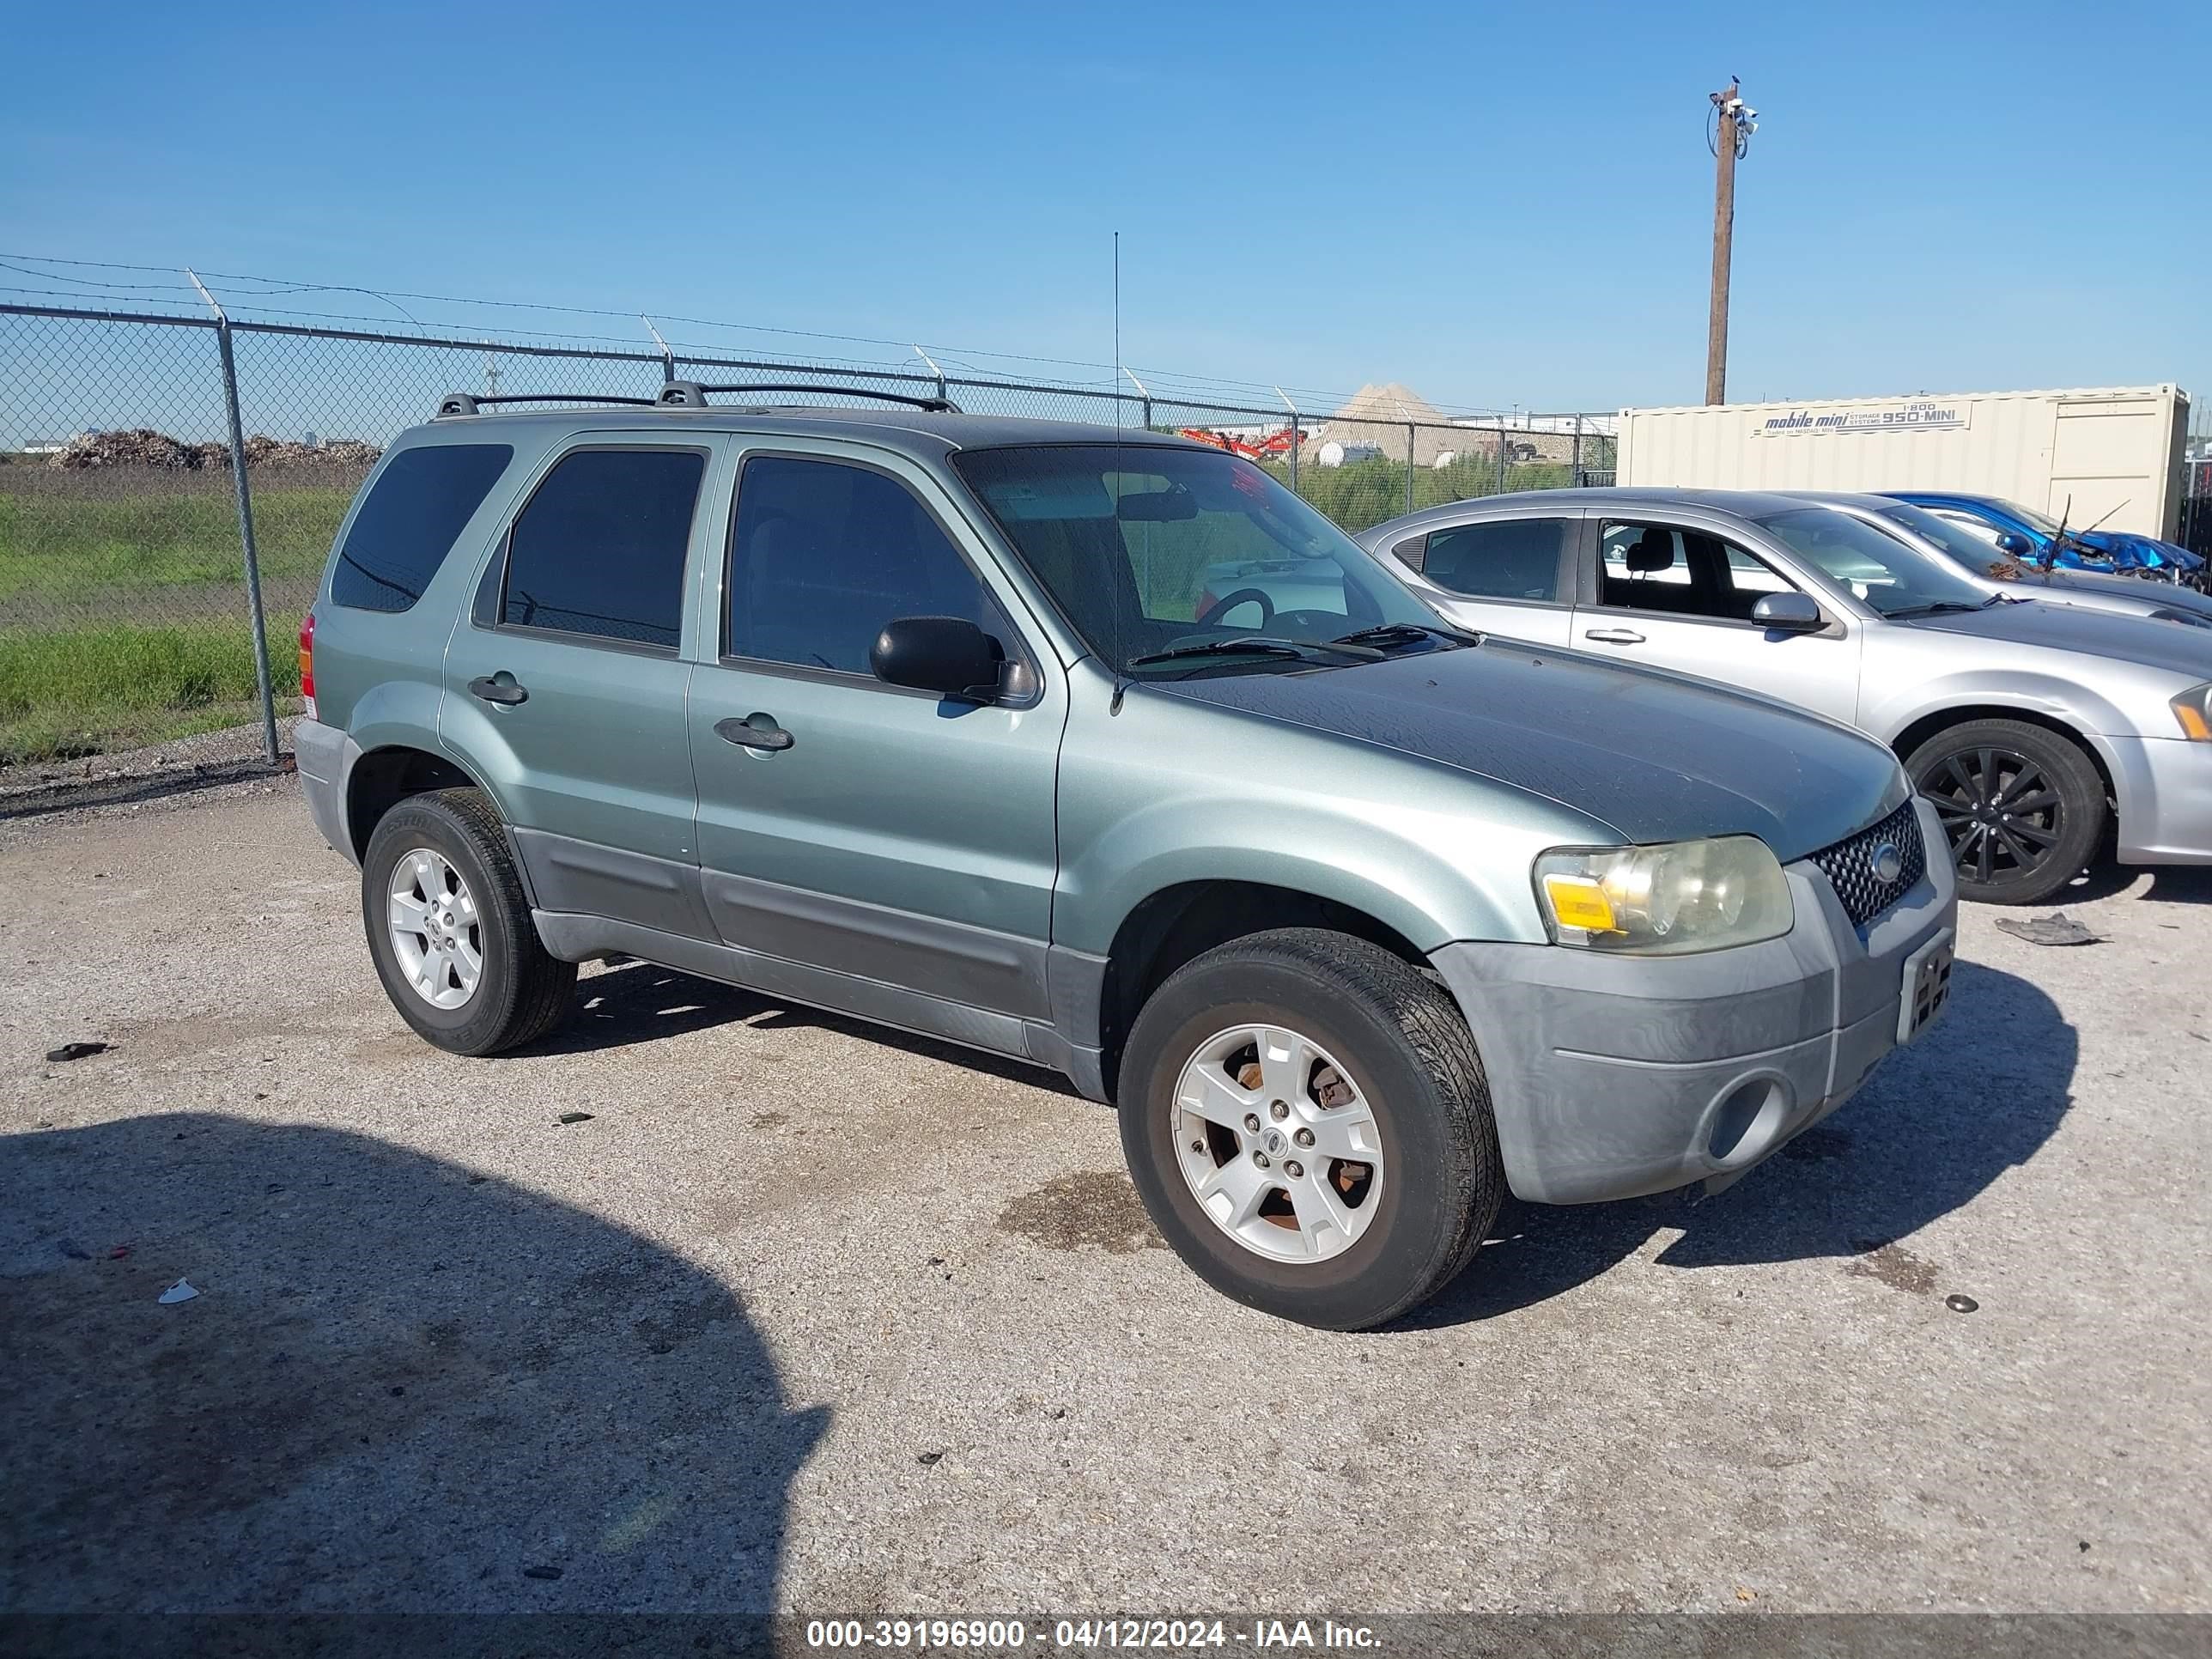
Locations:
1734 122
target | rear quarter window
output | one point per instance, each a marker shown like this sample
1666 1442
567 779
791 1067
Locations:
406 526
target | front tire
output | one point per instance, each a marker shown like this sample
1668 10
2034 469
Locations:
1307 1122
2021 807
449 927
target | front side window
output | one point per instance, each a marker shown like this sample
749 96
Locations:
599 548
407 524
1150 549
824 553
1501 559
1685 573
1889 576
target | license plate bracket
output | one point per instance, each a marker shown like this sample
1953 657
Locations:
1927 988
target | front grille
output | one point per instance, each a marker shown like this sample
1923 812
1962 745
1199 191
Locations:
1849 864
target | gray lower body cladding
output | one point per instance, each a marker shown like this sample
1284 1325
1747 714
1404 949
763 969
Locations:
1614 1076
325 756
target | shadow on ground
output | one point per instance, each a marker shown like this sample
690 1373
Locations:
403 1387
1978 1095
2170 883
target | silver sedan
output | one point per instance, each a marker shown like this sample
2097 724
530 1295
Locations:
2032 727
2020 577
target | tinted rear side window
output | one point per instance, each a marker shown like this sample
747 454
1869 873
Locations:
407 525
599 548
1501 559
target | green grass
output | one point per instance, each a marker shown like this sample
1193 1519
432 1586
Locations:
83 690
66 546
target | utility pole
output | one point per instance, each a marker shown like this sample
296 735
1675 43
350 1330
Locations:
1734 123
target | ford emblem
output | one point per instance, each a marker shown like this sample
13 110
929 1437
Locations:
1887 863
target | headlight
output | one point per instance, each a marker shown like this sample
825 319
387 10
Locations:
2193 708
1667 900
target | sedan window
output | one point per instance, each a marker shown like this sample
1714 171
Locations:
1498 559
1660 568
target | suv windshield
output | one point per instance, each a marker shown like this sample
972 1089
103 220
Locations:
1151 550
1890 578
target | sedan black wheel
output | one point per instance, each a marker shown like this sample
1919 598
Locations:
2021 806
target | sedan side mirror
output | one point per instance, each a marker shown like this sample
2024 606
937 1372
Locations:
1794 612
2012 541
949 655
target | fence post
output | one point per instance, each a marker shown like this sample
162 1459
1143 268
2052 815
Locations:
1575 463
1409 466
244 492
1501 461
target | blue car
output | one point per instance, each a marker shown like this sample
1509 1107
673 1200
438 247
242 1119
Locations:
2029 535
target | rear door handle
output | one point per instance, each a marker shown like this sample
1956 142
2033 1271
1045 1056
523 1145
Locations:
1614 636
499 688
766 735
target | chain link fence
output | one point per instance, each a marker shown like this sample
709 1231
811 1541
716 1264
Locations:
133 563
2196 531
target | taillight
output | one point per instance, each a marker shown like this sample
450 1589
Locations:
307 663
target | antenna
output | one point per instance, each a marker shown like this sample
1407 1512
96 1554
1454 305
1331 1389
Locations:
2058 542
2093 528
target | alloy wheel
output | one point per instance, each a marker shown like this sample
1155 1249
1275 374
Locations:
436 935
2002 816
1279 1145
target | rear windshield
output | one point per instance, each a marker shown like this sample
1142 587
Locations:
1148 548
405 528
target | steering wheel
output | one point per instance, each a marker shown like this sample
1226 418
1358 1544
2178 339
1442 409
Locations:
1267 606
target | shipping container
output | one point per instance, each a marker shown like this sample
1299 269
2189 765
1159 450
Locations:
2109 454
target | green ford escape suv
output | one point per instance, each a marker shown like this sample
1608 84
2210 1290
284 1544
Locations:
933 718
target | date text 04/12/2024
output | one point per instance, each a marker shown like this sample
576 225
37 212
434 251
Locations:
1011 1635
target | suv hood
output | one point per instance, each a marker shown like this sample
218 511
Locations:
1656 757
2055 627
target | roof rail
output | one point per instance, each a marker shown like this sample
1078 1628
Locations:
470 403
690 394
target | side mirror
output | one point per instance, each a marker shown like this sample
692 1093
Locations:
1794 612
949 655
2012 541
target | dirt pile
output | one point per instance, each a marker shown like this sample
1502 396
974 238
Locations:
142 446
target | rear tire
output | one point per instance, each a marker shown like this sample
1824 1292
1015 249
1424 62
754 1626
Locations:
501 987
1342 1033
2022 807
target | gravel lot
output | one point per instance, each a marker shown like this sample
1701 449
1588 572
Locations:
819 1318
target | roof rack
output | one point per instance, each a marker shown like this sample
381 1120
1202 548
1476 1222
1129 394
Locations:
690 394
469 403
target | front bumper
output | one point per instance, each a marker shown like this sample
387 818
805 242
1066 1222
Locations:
1612 1076
2164 787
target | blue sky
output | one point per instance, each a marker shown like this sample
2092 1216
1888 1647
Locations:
1501 206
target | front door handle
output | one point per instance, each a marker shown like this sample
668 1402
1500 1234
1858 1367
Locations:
1614 636
754 732
499 688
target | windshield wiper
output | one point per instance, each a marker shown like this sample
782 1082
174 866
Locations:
1941 607
1260 645
1405 633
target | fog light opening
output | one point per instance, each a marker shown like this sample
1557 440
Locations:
1747 1119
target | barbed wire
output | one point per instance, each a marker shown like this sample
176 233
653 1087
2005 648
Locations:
1168 384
